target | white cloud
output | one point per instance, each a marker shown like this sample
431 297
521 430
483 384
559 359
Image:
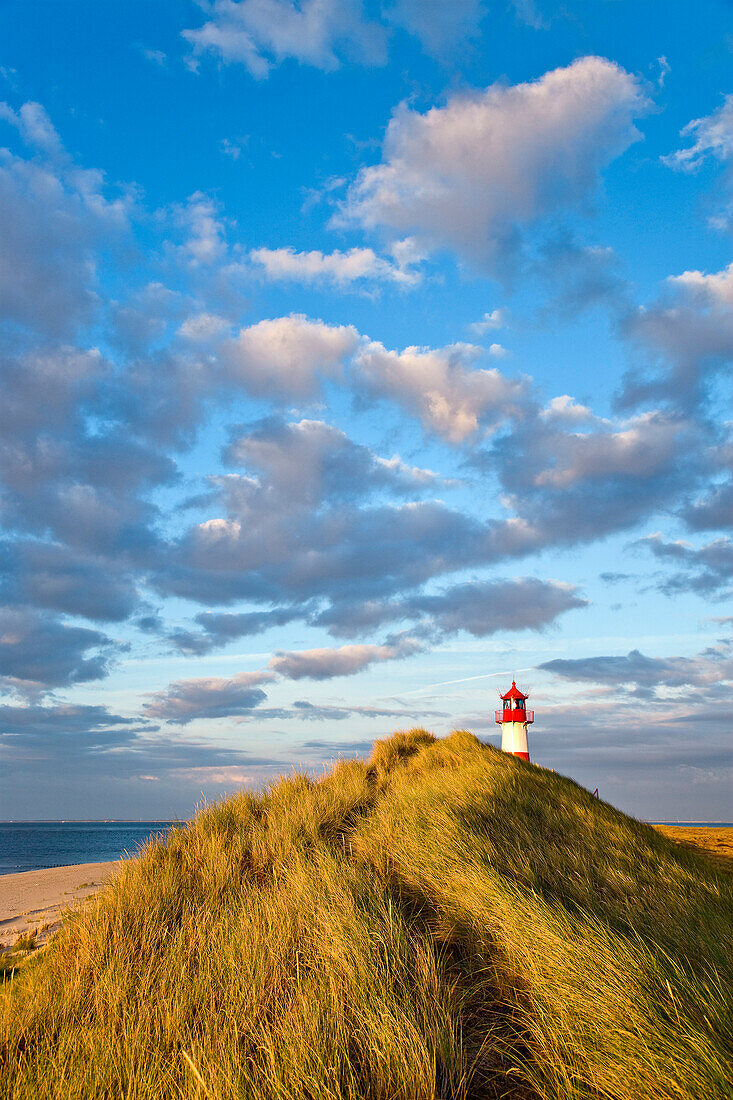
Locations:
407 252
288 356
713 136
412 475
272 546
206 243
640 448
46 268
208 697
345 660
565 409
156 56
480 607
38 132
715 289
649 674
567 486
484 607
263 33
490 321
440 386
217 776
469 176
664 69
308 463
35 127
39 652
143 316
339 268
689 330
706 570
203 327
52 214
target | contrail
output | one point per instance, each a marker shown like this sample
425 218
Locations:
464 680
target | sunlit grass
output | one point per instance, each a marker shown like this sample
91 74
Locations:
442 921
715 842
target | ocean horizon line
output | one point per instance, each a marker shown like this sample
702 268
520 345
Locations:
92 820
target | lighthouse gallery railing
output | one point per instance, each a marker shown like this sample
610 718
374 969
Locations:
514 715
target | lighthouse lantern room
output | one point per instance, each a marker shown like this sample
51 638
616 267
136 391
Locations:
514 719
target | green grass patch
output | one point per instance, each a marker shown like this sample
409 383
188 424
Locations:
440 921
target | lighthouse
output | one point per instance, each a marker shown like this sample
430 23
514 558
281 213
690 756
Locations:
514 718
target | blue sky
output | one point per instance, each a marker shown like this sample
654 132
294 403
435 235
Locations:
357 357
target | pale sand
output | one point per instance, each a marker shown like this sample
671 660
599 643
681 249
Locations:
35 900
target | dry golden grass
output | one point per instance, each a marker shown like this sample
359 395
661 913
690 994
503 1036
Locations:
715 843
442 921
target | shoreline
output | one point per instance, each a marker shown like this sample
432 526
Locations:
34 901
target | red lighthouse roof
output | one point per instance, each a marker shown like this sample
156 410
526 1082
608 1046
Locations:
514 693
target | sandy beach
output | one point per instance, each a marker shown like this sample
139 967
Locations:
34 900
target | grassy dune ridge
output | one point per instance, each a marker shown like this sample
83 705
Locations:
440 921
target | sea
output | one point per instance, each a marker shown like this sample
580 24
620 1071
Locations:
33 845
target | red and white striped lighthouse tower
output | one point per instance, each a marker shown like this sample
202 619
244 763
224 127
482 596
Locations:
514 718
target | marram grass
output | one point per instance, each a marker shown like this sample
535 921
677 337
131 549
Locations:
442 921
